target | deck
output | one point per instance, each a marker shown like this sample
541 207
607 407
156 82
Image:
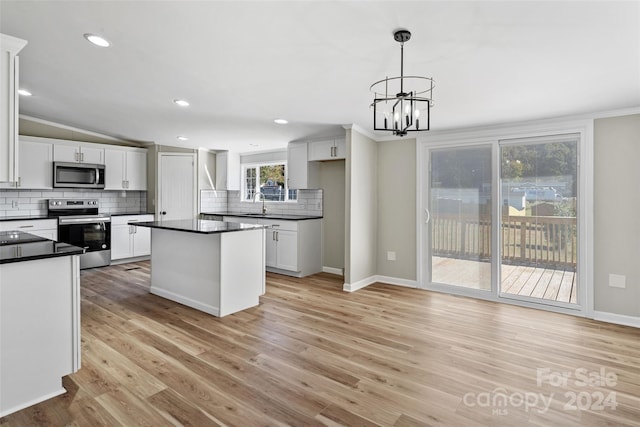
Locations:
536 282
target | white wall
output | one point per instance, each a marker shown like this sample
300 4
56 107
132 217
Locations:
361 195
616 213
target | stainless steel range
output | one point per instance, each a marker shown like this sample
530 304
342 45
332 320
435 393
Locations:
80 224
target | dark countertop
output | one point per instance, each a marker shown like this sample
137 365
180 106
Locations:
265 216
131 213
26 218
17 246
199 226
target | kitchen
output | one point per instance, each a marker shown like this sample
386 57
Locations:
349 217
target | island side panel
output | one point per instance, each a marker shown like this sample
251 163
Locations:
242 258
185 267
37 342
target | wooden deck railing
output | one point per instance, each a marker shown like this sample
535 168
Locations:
547 241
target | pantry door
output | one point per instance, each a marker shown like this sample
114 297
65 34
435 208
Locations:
177 186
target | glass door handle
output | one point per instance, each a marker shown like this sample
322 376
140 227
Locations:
426 211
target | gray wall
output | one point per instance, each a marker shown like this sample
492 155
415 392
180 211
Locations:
617 204
332 182
397 208
361 207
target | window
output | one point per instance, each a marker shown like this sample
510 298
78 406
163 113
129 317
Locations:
268 179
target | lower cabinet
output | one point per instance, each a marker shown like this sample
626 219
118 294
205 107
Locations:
47 228
129 241
292 247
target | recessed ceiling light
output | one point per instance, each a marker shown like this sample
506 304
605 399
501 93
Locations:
24 92
182 138
181 102
281 121
97 40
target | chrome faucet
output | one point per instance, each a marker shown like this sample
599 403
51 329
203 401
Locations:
264 208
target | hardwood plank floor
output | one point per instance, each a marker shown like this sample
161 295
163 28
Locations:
311 354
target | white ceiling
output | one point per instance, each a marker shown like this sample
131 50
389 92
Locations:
242 64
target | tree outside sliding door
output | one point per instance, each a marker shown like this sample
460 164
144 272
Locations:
460 205
538 231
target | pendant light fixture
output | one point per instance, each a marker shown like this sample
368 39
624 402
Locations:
407 109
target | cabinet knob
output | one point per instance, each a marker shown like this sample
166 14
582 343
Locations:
163 213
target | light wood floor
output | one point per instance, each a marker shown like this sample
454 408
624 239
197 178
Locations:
544 283
311 354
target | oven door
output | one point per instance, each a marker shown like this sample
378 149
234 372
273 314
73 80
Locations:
92 234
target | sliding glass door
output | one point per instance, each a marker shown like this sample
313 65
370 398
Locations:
460 200
539 220
501 219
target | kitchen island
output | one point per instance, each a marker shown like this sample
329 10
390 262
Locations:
39 318
213 266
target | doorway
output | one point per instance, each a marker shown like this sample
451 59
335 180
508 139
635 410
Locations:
177 186
501 219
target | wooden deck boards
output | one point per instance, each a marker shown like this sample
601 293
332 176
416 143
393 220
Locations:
543 283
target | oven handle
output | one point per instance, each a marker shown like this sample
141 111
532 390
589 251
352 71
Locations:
83 220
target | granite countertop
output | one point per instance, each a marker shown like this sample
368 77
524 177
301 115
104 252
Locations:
16 246
199 226
265 216
26 218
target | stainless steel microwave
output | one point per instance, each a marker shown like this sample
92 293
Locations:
78 175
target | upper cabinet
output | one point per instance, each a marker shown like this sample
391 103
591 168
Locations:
297 165
227 171
35 164
125 168
9 83
75 152
330 149
34 171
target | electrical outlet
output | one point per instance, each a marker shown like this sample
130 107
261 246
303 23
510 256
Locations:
617 281
14 204
391 256
318 204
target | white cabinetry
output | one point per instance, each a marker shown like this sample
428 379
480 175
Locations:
300 173
9 81
39 329
35 166
330 149
227 171
77 152
125 169
281 244
36 171
129 241
47 228
293 248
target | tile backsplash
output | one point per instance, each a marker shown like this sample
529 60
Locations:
309 203
34 202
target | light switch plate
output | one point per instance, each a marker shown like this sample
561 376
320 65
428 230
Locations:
391 256
617 281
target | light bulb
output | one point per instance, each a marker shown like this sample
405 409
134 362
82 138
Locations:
417 114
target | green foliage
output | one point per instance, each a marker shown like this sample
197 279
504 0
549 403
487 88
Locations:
274 173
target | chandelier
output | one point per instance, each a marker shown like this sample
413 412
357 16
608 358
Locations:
407 109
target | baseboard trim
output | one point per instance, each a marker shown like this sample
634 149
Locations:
351 287
397 281
619 319
333 270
